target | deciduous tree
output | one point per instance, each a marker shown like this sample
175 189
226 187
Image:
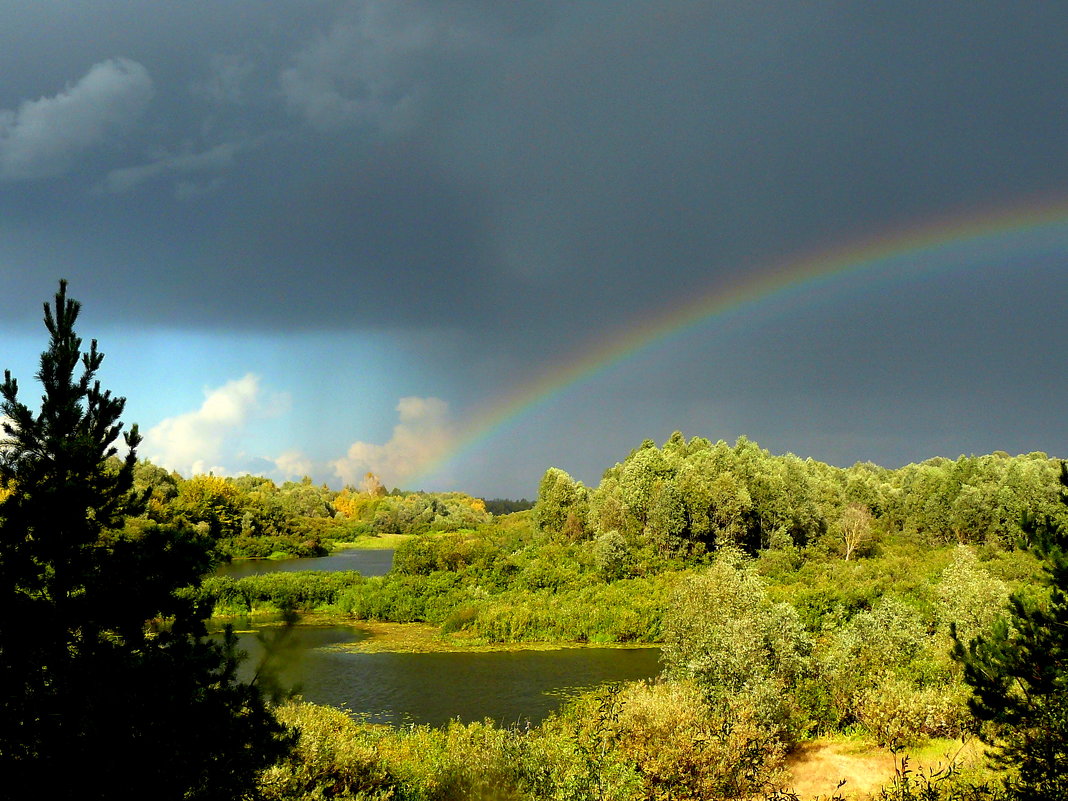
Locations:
855 526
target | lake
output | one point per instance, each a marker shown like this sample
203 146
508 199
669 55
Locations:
509 687
368 562
400 688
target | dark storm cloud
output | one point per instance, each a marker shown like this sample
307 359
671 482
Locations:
540 167
472 192
716 138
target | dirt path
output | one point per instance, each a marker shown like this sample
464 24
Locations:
818 766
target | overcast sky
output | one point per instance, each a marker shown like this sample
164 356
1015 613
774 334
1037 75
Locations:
330 237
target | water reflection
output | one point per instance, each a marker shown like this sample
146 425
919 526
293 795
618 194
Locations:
399 688
368 562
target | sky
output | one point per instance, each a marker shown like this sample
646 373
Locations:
457 242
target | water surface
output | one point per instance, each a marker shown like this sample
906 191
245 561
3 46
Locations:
399 688
368 562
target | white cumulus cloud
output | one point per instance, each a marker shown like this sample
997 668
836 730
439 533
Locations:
43 137
422 434
196 442
293 464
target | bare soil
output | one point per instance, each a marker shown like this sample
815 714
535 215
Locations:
817 767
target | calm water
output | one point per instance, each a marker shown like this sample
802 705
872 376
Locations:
399 688
368 562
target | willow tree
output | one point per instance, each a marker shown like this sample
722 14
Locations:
107 676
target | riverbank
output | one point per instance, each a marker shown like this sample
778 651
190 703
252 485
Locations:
370 542
424 638
380 542
403 638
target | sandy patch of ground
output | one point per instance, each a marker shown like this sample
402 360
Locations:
816 767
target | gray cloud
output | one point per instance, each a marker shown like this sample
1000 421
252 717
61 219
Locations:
228 80
43 137
215 159
350 74
523 179
388 65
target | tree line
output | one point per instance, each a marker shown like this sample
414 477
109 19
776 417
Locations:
791 599
697 496
252 516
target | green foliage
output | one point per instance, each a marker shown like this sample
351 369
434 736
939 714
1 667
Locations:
562 505
940 784
970 599
404 599
506 506
331 759
419 513
337 757
975 499
300 591
611 555
1019 671
94 689
724 632
615 744
689 498
625 611
455 552
884 670
252 517
828 592
684 748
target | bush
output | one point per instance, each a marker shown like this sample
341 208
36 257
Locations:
723 631
333 758
969 597
300 591
898 713
684 749
885 671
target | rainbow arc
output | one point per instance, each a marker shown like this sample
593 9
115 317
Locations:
956 243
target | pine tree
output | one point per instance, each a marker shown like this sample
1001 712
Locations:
1019 672
108 679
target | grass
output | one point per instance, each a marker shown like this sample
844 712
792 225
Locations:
419 638
380 542
372 542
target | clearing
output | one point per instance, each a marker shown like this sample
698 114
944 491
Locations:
816 767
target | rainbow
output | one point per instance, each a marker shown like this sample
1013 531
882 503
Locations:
1002 232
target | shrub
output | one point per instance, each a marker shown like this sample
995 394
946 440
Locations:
334 758
685 749
723 631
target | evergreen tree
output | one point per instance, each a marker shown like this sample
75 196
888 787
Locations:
108 680
1019 672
